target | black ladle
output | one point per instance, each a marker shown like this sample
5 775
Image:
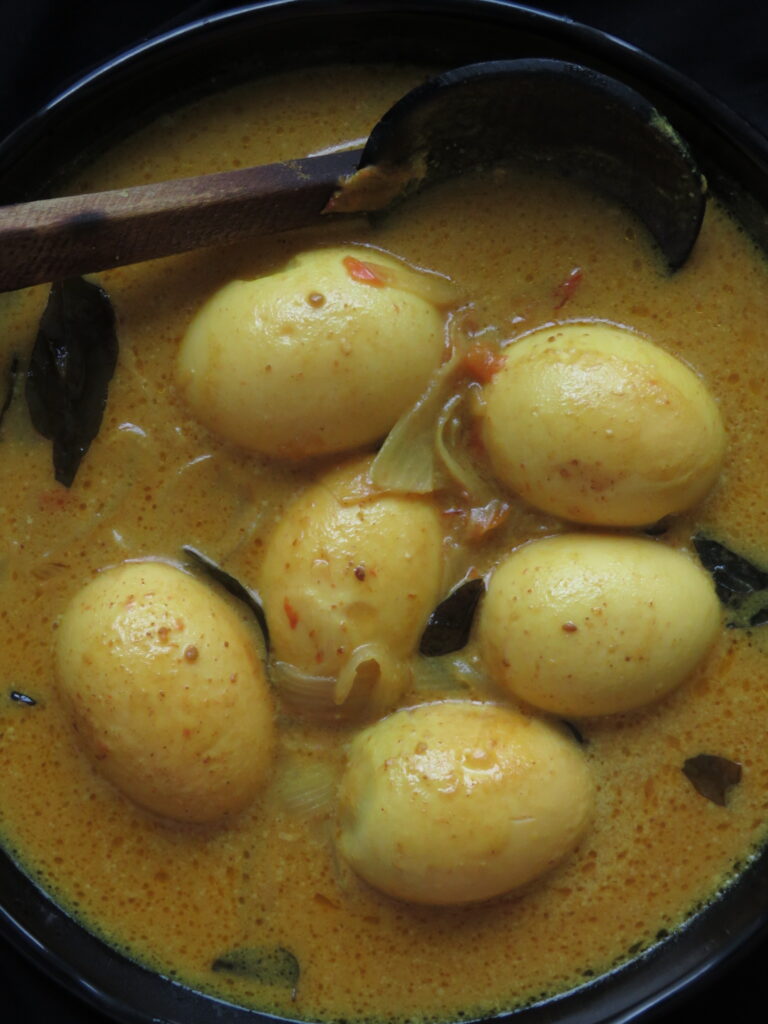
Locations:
565 117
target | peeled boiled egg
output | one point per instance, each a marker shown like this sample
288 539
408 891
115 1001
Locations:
349 579
320 357
594 423
167 690
460 801
592 624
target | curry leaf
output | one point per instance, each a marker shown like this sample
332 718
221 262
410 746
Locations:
712 776
450 623
269 965
741 585
72 363
233 586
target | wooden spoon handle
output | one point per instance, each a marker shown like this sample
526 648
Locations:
51 239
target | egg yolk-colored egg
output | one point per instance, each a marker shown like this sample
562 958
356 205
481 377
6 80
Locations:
168 691
592 624
594 423
349 579
459 801
321 357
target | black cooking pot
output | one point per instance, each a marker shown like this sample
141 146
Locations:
291 33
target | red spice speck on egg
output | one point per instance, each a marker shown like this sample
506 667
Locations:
291 613
366 273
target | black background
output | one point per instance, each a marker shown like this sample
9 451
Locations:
46 44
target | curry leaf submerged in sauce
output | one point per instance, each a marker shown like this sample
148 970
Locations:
741 585
265 908
712 776
271 966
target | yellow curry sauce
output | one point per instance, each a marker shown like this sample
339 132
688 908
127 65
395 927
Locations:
178 897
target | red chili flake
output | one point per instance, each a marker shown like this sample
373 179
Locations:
570 627
481 362
483 521
567 288
293 615
366 273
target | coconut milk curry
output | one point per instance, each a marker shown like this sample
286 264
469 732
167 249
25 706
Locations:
263 906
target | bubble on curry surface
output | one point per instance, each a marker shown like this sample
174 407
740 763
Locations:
167 691
592 624
594 423
458 801
320 357
349 579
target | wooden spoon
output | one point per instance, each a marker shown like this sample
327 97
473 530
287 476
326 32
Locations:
549 113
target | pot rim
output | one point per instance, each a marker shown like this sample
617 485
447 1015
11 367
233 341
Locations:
603 43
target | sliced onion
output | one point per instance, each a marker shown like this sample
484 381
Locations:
449 673
370 682
407 460
303 693
305 787
426 450
457 462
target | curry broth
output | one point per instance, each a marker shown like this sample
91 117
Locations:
179 897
